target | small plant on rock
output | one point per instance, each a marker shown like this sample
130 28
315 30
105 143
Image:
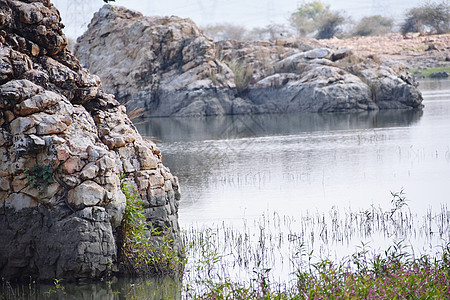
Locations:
242 74
39 176
145 249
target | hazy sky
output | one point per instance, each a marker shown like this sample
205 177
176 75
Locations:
250 13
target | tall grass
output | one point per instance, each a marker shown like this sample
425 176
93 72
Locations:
279 257
242 74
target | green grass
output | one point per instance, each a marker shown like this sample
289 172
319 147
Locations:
428 72
143 248
395 274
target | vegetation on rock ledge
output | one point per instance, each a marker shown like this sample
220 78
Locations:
145 250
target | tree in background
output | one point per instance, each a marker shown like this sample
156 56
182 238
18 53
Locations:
431 16
225 31
316 17
374 25
304 19
269 32
330 25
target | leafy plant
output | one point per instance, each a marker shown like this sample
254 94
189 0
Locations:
145 249
39 176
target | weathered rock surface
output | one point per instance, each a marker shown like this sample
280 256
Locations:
170 68
163 64
63 144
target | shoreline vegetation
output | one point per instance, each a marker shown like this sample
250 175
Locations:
279 257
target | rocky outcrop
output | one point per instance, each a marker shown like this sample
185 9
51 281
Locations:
169 68
165 65
64 142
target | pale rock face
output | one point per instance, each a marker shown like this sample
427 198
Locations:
170 68
88 193
63 144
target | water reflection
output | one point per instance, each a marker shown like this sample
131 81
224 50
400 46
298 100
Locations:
241 126
115 289
235 167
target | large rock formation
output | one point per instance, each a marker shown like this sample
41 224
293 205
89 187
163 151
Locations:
170 68
63 144
163 64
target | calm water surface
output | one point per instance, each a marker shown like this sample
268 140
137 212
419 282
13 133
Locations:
239 167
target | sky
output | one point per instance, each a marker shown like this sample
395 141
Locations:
249 13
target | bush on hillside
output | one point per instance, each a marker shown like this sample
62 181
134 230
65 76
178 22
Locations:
316 17
431 16
373 25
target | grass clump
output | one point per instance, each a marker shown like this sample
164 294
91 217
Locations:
396 274
144 249
242 74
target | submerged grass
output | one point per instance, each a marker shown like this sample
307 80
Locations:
280 258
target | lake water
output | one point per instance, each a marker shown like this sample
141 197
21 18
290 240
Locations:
246 173
236 167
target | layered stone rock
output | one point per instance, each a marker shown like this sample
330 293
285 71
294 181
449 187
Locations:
164 64
170 68
64 143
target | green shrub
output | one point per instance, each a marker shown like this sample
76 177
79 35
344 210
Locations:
431 16
143 249
374 25
316 17
39 176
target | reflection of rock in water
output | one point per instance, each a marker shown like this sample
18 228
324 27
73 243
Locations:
239 126
388 118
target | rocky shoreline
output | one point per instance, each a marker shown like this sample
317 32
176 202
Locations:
168 67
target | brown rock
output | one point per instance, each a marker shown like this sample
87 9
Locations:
72 165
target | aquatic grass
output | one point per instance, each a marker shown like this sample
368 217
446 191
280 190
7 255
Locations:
279 257
392 275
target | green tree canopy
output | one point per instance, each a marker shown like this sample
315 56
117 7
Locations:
434 16
316 17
